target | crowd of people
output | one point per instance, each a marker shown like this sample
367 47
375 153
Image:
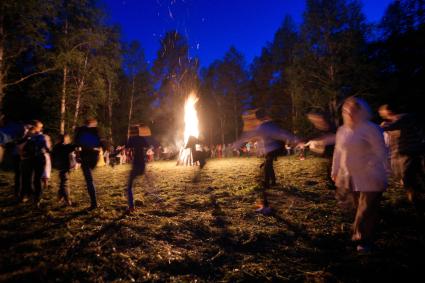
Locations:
360 157
123 155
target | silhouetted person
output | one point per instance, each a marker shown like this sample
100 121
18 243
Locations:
88 140
15 147
197 155
271 135
324 144
407 147
61 155
138 145
33 162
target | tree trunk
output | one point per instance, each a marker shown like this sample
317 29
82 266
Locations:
333 109
80 88
211 133
63 97
221 130
130 110
110 140
2 74
77 106
63 101
235 118
293 110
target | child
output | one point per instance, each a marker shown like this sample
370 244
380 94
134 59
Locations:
62 160
150 154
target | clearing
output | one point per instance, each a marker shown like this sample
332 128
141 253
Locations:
200 226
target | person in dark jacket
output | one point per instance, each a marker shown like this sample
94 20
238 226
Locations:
87 139
407 148
272 136
33 162
138 145
62 161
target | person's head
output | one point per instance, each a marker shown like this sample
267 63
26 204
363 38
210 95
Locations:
65 139
318 120
387 112
261 114
134 131
91 123
37 126
354 111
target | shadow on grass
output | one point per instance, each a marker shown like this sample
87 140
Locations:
107 229
44 230
307 195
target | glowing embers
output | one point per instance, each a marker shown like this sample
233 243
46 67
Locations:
191 131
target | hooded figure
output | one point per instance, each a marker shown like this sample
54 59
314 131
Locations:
359 168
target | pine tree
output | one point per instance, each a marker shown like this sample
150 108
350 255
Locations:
330 62
23 32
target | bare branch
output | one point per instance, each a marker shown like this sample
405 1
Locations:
29 76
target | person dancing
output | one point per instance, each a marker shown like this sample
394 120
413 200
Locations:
359 169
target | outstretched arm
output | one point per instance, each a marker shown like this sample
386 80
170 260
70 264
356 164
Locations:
283 135
245 137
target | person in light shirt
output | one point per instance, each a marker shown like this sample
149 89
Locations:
359 169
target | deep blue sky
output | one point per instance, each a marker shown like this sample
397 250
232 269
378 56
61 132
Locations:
212 26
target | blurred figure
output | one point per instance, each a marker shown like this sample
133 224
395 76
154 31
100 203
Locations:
229 150
359 169
324 144
150 154
259 148
158 151
288 149
271 136
138 145
33 161
196 151
88 140
406 141
248 148
301 153
62 160
213 151
166 153
100 159
106 156
14 146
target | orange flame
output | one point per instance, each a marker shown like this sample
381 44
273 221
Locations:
191 128
190 118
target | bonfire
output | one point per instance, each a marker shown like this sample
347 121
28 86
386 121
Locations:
191 131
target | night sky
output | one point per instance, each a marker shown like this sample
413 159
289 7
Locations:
212 26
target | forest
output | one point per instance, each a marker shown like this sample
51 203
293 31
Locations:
61 62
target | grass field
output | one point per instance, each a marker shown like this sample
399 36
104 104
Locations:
200 226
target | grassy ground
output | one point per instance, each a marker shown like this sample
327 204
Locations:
201 226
